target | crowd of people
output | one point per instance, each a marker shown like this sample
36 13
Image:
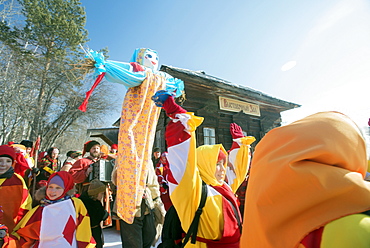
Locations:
40 205
304 186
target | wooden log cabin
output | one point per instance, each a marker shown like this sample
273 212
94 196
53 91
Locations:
220 103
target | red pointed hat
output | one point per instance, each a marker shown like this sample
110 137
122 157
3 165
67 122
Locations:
88 145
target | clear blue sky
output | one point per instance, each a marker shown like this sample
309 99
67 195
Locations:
248 42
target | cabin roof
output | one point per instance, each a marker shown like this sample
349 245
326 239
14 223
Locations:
221 85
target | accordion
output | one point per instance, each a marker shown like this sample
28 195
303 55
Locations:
102 170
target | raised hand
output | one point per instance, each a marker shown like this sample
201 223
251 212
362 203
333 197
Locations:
236 131
160 97
166 100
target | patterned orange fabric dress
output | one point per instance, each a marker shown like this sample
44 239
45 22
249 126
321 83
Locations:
135 140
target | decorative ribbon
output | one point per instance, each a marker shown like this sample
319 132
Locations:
88 94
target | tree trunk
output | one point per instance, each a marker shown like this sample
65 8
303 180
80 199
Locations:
39 104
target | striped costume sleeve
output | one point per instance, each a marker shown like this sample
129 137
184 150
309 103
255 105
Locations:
184 179
239 160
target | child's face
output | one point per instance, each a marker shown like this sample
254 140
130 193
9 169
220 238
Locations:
55 154
5 164
220 171
54 191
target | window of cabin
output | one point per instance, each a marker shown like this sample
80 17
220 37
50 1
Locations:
209 136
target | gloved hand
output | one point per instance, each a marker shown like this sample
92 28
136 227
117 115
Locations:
236 131
165 100
160 97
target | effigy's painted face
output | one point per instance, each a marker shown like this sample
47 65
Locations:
150 60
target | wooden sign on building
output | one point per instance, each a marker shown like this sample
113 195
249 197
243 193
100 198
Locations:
233 105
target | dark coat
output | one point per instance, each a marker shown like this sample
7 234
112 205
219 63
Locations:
95 209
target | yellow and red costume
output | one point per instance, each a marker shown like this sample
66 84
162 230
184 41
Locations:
60 223
220 220
15 199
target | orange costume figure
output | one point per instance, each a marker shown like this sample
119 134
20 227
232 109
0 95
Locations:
306 187
15 200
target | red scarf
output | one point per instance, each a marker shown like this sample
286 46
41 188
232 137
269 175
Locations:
231 233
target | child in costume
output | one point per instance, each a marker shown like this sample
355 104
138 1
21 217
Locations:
47 166
59 221
15 200
307 186
220 221
92 201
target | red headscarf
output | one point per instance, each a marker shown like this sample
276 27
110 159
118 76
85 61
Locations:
67 179
221 156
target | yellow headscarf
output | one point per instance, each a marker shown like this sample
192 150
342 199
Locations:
22 147
207 156
303 176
